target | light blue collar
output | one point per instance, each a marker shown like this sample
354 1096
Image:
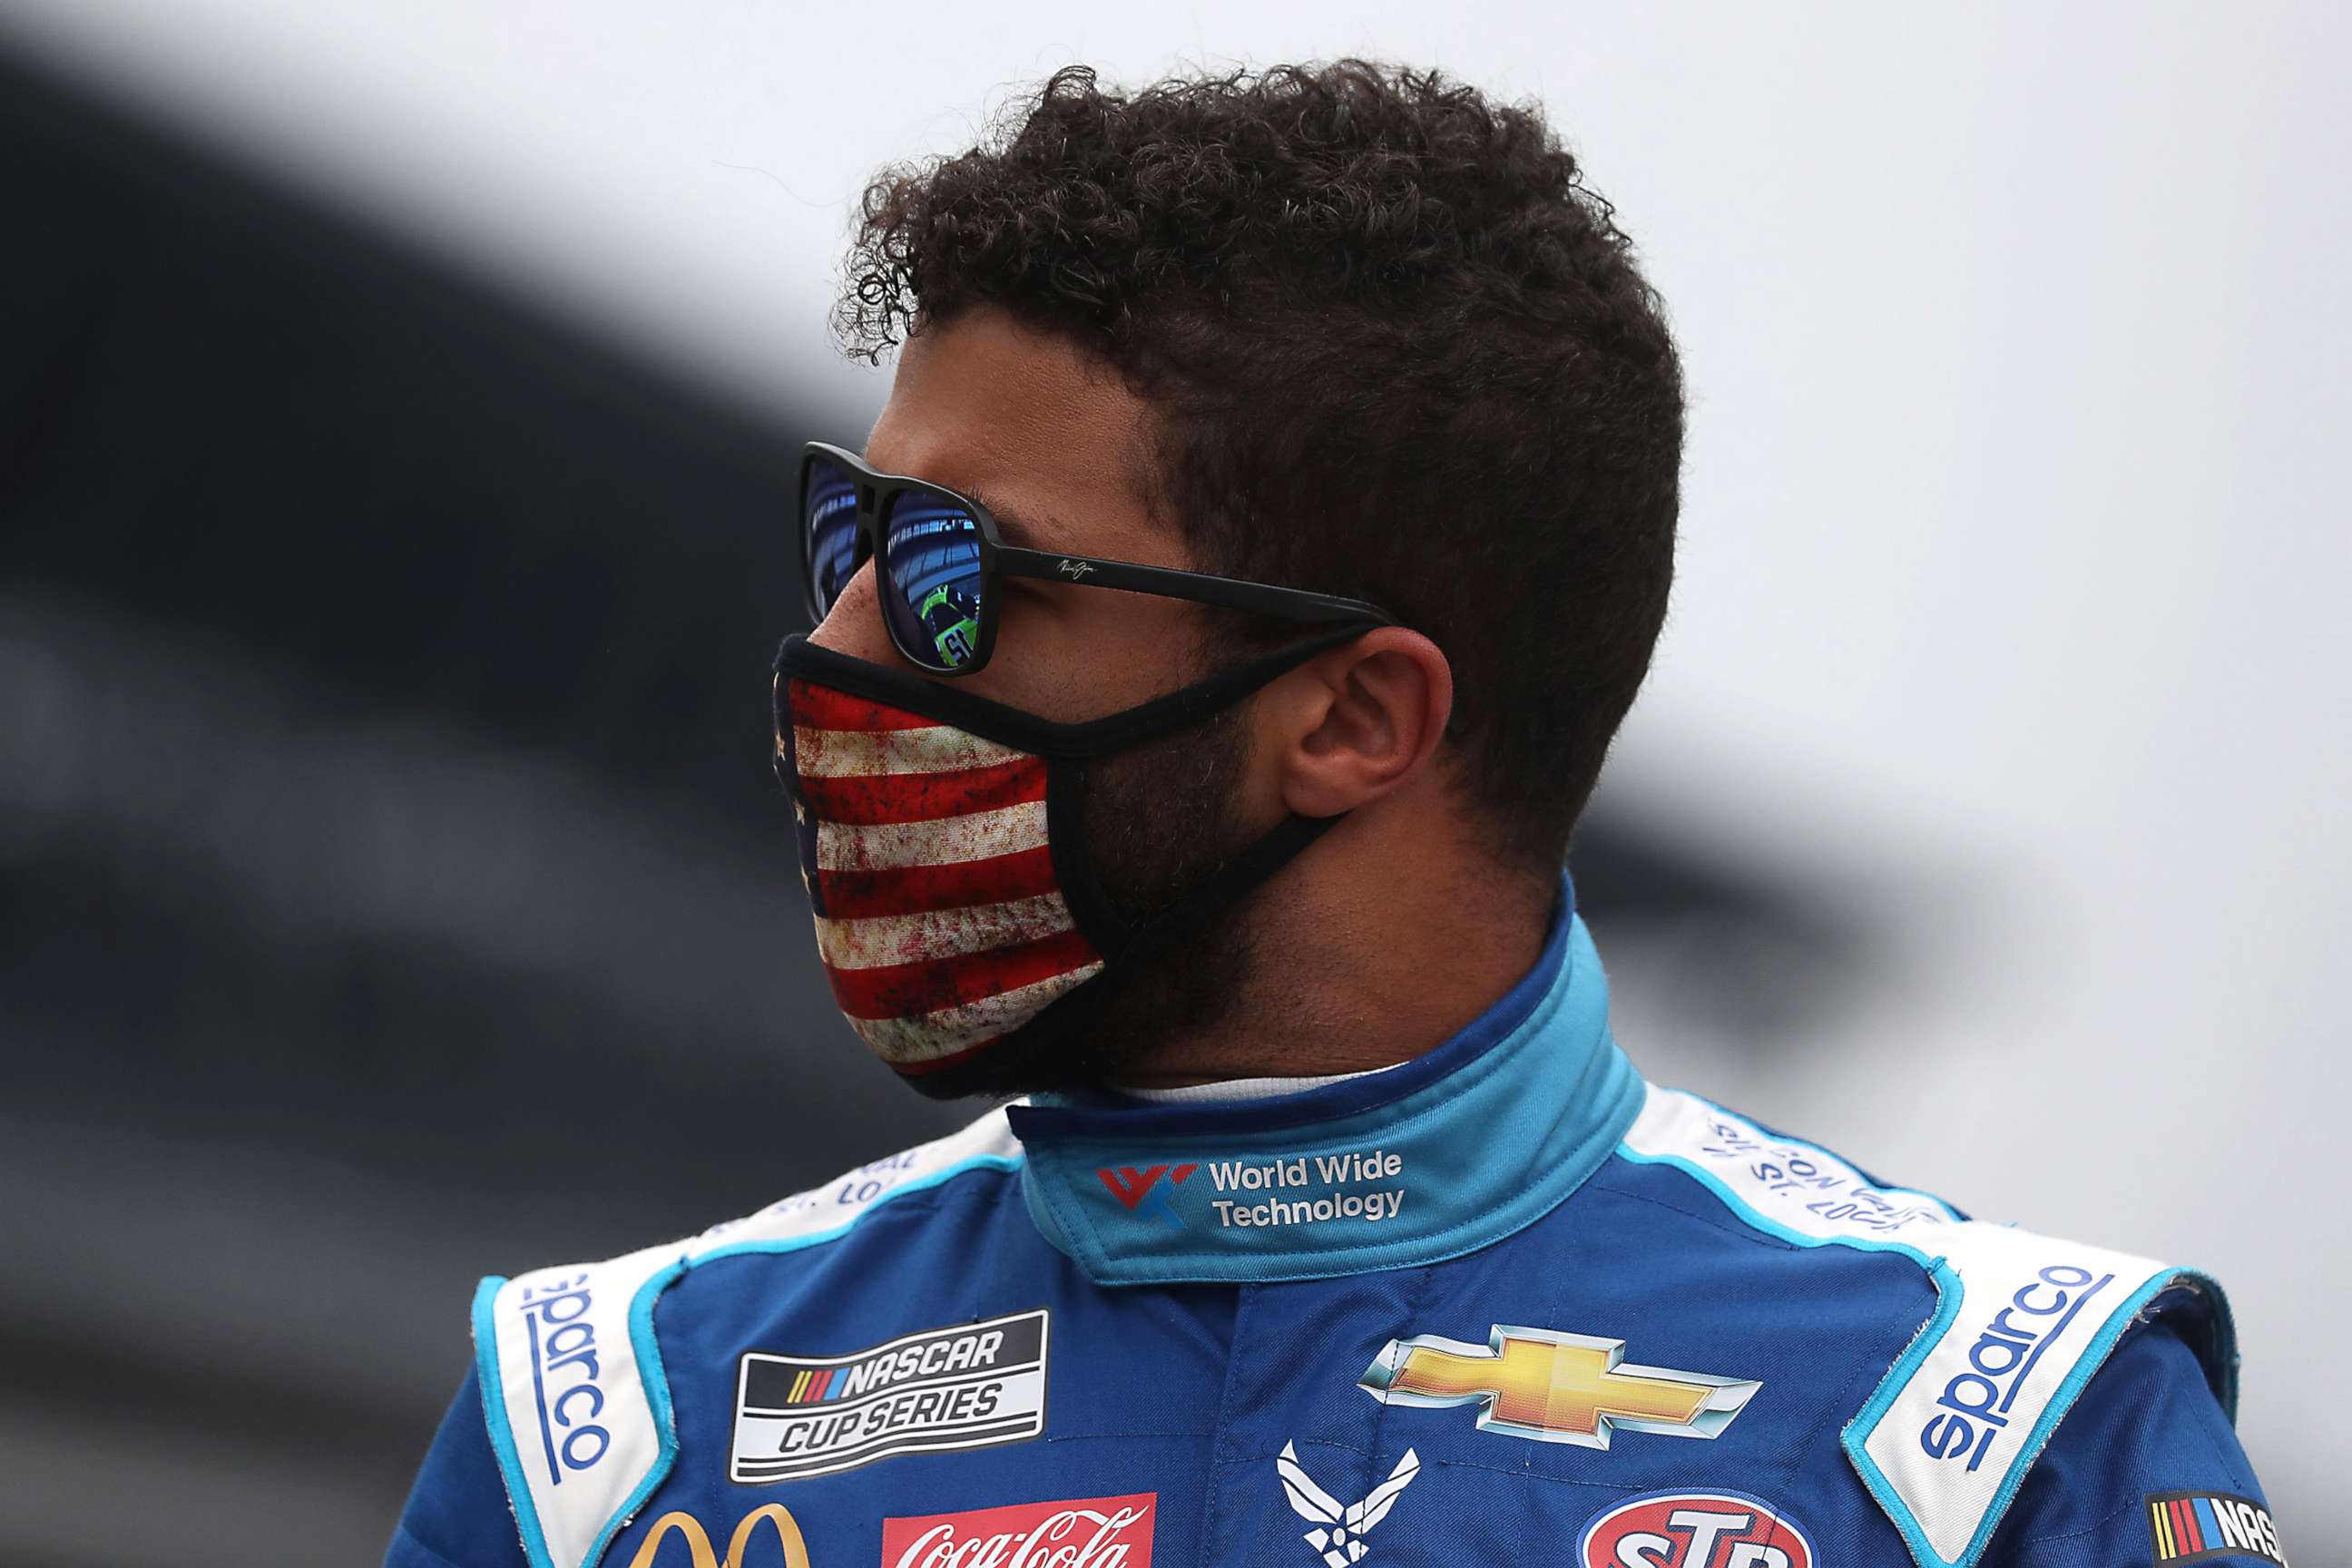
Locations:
1446 1154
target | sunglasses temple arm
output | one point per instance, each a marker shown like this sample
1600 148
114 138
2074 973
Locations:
1167 582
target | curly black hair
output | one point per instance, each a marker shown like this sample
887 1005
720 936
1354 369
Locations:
1398 349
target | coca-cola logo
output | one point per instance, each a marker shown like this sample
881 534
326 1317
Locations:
1094 1532
1693 1530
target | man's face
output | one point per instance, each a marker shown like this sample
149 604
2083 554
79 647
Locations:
1018 422
1056 448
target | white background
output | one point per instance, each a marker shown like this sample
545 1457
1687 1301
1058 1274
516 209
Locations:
2012 605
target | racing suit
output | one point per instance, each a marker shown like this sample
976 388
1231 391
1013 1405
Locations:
1505 1302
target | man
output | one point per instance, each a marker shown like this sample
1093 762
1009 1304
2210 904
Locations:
1298 453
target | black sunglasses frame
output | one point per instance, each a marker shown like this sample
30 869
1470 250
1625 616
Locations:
876 491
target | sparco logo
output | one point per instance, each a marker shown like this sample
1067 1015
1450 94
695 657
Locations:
563 1368
1976 1402
971 1387
1693 1530
1098 1532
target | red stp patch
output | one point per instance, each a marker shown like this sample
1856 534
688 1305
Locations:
1693 1530
1095 1532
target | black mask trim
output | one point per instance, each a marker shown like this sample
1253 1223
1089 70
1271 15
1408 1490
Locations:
1010 726
1068 749
1071 1017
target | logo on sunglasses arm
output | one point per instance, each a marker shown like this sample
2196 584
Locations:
1076 571
1554 1388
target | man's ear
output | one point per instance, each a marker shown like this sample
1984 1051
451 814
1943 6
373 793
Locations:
1356 725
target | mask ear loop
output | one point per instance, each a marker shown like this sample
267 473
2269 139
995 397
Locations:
1075 863
1119 940
1073 1014
1067 749
1277 847
1010 726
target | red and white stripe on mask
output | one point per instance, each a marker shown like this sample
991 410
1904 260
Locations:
939 915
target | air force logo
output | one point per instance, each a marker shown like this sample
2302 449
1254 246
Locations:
1553 1388
1339 1527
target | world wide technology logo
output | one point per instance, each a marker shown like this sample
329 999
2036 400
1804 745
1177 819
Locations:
1291 1190
1140 1193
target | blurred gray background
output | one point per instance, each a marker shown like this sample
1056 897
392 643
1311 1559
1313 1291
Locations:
397 403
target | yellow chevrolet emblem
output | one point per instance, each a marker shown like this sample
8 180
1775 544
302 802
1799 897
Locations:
1554 1388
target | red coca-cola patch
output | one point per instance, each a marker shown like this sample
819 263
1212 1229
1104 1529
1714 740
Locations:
1693 1530
1096 1532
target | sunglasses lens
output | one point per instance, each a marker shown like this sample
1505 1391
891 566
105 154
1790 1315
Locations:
931 580
828 531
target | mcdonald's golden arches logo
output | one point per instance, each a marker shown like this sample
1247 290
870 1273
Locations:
793 1550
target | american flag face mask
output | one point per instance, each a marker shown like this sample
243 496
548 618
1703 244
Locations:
958 909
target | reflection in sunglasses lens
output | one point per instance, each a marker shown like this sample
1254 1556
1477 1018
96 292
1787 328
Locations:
931 592
829 528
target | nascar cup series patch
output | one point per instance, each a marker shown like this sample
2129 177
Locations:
973 1385
2192 1527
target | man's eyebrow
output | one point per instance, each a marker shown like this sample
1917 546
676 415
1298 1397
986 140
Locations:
1010 522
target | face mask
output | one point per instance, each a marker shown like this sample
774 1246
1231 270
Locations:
959 911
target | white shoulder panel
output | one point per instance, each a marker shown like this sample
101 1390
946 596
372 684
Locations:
1786 1188
573 1386
2022 1321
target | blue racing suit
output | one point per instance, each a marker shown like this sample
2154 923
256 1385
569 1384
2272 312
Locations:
1502 1303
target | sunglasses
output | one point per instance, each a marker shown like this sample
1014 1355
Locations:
939 559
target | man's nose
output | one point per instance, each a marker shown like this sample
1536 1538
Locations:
854 624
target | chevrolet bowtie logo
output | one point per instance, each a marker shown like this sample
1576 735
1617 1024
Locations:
1554 1388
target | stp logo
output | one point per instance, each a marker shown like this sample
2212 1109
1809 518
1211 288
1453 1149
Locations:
1141 1190
1096 1532
1693 1530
